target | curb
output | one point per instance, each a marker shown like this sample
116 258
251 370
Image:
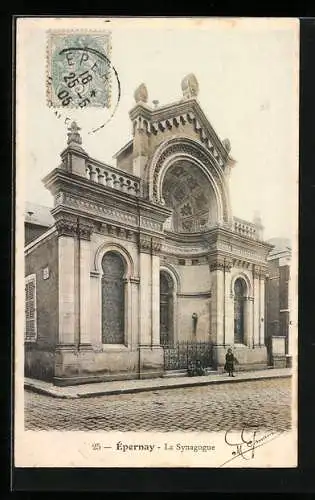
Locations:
48 392
133 390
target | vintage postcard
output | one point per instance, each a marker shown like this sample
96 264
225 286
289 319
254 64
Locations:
156 242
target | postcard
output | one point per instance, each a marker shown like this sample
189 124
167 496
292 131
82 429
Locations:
156 229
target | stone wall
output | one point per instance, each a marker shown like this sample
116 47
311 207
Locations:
39 355
193 297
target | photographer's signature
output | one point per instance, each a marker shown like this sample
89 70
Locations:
244 443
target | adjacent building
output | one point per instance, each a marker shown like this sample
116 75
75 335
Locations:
278 302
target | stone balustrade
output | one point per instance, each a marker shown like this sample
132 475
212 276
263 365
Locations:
245 228
113 178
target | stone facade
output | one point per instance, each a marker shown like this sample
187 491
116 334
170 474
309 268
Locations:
165 211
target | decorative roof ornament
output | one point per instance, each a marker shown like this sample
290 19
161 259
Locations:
74 135
190 86
226 143
257 218
141 93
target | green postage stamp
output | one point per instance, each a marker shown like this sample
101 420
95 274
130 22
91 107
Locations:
78 69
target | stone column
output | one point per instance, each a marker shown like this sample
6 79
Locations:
248 321
145 290
67 239
151 355
96 309
155 271
256 295
84 283
134 312
218 312
128 312
65 358
228 304
66 289
217 300
262 310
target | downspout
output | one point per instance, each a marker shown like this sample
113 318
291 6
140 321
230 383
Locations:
259 312
79 285
253 334
224 304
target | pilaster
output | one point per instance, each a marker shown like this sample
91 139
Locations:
220 314
262 309
248 321
134 311
84 291
96 307
66 287
145 305
155 271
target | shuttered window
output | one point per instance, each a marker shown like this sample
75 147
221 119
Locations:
30 332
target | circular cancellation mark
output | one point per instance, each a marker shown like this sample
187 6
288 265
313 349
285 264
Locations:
83 79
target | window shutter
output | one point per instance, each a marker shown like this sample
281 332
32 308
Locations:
30 309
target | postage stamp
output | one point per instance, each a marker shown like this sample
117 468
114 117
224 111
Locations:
78 69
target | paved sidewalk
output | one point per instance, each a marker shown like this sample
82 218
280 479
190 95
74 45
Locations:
132 386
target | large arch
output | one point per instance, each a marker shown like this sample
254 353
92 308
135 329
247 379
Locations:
174 282
240 293
186 149
113 298
245 277
97 286
114 247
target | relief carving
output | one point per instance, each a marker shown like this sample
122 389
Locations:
97 208
144 243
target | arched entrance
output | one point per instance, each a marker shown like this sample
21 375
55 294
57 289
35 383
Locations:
113 299
239 311
166 309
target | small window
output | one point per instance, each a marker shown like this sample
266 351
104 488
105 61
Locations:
30 331
181 262
195 262
45 272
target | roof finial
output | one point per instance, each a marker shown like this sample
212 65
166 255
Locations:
226 143
141 93
73 134
190 86
259 224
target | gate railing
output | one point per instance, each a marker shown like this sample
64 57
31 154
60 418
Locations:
179 355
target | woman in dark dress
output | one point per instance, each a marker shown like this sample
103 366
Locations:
229 362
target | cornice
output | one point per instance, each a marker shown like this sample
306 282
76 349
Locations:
59 181
186 110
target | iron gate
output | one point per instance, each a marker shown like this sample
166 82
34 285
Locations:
179 355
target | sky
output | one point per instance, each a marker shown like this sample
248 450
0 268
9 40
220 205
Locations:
248 79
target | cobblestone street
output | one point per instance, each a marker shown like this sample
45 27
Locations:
265 404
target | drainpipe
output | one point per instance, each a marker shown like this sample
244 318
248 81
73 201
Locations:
253 334
79 285
224 303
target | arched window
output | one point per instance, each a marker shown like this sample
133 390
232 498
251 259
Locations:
239 300
166 309
113 299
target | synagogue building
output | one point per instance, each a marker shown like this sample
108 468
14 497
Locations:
142 267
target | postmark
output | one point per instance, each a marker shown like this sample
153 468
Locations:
79 69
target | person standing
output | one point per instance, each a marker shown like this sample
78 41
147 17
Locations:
229 362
